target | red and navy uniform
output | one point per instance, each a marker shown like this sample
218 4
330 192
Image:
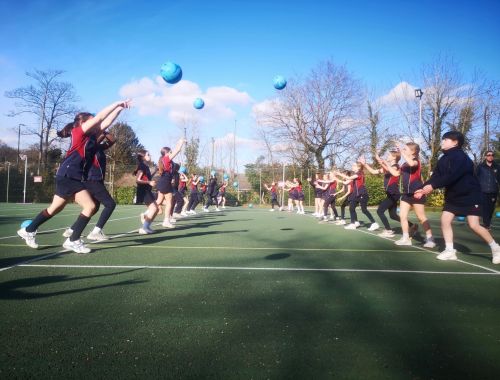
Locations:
274 196
390 203
360 195
144 190
222 190
72 170
300 193
331 192
95 185
411 180
164 184
193 197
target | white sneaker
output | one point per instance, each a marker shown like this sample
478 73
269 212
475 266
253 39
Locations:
223 207
447 254
271 209
184 213
76 246
351 226
192 212
145 231
176 215
495 251
29 237
97 235
67 232
341 222
430 243
386 233
217 209
167 225
403 241
374 227
357 224
332 217
281 209
206 209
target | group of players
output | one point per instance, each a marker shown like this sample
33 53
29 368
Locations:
405 190
80 178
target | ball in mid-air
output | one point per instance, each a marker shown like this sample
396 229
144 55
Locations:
199 103
279 82
171 72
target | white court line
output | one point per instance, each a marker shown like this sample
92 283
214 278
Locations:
258 269
433 252
63 228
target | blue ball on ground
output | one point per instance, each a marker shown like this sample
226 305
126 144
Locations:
250 205
497 214
171 72
199 103
461 218
279 82
25 223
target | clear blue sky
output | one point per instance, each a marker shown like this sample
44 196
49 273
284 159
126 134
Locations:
106 45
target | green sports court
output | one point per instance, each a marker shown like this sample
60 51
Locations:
244 293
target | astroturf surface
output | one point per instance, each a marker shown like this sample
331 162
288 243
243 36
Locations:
244 294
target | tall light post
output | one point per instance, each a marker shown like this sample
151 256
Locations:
418 94
19 141
24 158
8 178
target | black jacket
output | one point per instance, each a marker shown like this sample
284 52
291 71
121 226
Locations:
489 177
455 173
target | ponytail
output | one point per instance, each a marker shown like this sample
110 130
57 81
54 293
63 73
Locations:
79 119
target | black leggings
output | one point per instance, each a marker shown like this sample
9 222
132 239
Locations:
274 202
330 201
390 203
179 202
194 199
344 204
363 202
100 195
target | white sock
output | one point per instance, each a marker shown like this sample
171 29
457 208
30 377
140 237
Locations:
96 230
406 235
428 236
449 246
493 244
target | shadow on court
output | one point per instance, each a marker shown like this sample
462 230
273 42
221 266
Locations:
17 289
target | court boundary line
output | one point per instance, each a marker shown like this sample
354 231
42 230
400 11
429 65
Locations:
277 269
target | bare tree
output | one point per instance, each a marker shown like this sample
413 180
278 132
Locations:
50 101
312 115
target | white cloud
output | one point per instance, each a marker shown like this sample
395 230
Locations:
176 101
402 92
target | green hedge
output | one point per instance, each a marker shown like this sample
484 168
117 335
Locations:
125 195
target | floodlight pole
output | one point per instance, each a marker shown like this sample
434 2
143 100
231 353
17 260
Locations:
418 94
8 179
283 190
18 141
25 159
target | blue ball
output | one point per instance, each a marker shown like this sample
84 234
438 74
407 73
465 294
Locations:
26 223
198 103
497 214
182 169
171 72
279 82
226 177
461 218
250 205
213 173
202 179
235 184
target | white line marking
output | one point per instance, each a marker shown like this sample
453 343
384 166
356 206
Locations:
257 269
434 252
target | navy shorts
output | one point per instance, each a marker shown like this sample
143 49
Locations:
144 195
300 196
413 201
68 187
164 184
475 210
